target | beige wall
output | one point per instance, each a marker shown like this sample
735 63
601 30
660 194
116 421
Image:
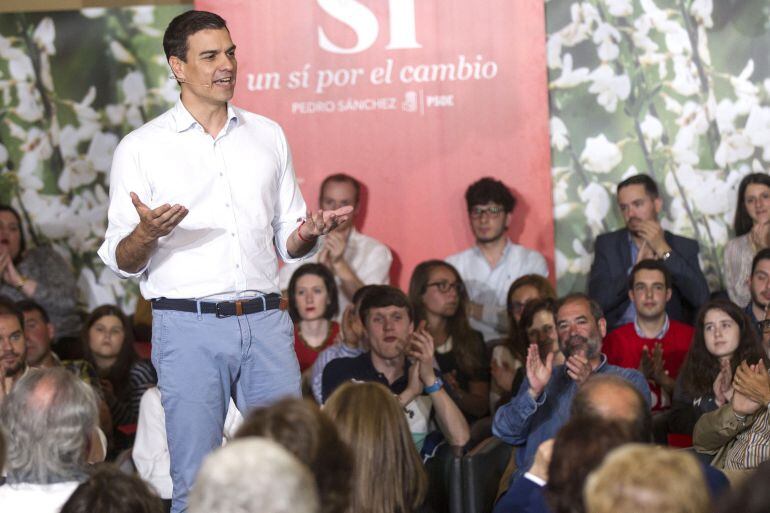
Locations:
65 5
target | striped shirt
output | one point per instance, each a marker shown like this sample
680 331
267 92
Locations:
751 446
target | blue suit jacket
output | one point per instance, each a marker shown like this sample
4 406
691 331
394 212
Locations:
608 281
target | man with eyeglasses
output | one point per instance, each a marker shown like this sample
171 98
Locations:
652 343
759 286
644 238
489 267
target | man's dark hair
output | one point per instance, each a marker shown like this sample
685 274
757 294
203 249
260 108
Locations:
8 307
649 265
110 489
489 190
580 446
382 296
340 178
596 309
28 305
310 435
185 25
763 254
650 187
583 405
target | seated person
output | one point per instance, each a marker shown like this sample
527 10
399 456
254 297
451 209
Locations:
108 346
438 296
652 343
508 357
13 346
759 290
150 450
310 435
353 258
643 238
50 421
639 478
490 266
351 342
387 469
723 339
114 491
737 433
543 402
312 305
400 358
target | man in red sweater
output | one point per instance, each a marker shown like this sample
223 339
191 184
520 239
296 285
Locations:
653 343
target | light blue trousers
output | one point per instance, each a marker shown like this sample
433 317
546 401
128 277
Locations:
201 362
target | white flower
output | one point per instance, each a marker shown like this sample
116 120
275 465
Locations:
600 155
101 149
657 16
671 104
705 189
725 115
134 90
49 213
20 68
694 114
30 106
559 134
758 129
568 77
609 87
607 37
685 147
3 155
581 264
619 8
732 148
701 10
44 36
168 90
68 142
143 15
584 15
45 72
677 39
115 114
652 129
134 117
93 12
553 51
686 81
76 173
563 210
703 45
596 203
562 263
121 54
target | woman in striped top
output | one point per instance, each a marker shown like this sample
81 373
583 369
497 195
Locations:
124 377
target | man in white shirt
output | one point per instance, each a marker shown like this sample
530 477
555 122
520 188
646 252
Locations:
355 259
489 267
198 197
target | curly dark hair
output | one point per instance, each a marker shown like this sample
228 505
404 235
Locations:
468 358
306 432
742 222
701 368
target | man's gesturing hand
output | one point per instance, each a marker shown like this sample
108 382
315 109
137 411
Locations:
538 372
324 221
158 222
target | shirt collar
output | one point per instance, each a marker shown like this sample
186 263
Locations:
183 120
659 335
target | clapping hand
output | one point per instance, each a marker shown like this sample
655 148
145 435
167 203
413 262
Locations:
578 367
538 371
753 382
723 384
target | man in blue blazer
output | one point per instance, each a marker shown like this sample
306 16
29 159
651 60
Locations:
643 238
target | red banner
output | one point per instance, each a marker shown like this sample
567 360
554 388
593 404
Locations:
416 98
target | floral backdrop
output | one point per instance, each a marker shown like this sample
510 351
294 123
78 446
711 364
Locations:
71 85
679 89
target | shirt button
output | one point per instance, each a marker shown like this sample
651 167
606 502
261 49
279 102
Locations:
232 233
227 205
221 174
237 266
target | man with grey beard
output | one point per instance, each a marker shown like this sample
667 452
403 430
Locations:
543 403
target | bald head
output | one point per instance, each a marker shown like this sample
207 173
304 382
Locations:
613 398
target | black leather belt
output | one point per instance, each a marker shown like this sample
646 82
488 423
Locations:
223 308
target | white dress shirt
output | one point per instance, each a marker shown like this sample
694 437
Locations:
150 451
489 286
241 193
35 498
369 258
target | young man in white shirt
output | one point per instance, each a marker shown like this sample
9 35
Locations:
489 267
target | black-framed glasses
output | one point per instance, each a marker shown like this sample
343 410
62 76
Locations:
494 212
445 286
764 325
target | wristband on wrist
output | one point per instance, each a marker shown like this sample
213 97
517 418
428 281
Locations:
299 233
22 280
435 387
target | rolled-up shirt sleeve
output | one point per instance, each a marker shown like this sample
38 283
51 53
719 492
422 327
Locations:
290 208
126 176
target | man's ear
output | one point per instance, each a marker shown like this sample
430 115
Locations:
177 67
668 294
51 330
602 323
658 203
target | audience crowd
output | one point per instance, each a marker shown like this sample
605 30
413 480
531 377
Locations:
647 393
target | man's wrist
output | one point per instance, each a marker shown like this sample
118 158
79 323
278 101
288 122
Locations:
310 239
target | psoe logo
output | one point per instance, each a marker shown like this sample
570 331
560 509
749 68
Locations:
410 102
361 19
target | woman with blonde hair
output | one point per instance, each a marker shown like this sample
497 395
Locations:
388 475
